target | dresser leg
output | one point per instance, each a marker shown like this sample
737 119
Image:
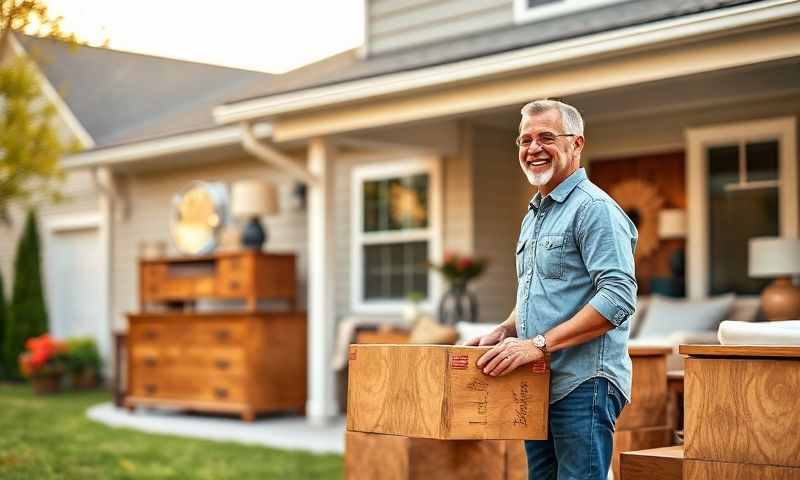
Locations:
248 415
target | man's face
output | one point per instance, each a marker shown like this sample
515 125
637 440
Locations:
547 163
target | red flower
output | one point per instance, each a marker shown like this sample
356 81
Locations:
464 263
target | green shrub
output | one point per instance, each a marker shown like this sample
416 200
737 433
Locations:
27 313
82 354
3 320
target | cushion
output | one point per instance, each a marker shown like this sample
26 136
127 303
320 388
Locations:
786 332
667 315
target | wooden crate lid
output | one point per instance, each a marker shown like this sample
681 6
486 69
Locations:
740 351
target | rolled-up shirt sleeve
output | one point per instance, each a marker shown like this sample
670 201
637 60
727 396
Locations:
607 242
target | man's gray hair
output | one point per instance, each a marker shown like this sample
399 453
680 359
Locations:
570 116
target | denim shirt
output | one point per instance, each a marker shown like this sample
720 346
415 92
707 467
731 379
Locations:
576 246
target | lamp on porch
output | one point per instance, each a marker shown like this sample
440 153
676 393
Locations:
779 258
250 200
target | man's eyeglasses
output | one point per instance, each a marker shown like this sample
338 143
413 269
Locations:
545 138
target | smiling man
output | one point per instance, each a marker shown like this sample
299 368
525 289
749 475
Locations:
576 290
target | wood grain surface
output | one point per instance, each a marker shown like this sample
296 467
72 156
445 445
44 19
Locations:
436 391
701 470
740 351
649 394
638 439
370 456
664 463
742 410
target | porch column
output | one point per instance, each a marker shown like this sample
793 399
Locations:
104 181
321 405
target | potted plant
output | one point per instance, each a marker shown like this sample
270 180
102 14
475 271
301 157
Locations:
43 362
458 303
82 362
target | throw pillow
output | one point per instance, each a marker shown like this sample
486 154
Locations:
667 315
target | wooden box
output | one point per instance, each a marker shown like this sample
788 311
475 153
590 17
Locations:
391 457
244 363
437 391
742 405
664 463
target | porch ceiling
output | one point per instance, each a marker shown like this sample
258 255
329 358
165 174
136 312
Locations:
764 81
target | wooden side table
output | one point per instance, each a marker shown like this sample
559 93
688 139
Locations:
742 417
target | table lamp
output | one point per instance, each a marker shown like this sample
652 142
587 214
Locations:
779 258
250 199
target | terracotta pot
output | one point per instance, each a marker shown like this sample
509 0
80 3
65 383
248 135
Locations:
84 379
46 384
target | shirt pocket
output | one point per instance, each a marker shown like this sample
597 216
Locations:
520 257
550 256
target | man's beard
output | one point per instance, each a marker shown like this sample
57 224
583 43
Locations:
539 179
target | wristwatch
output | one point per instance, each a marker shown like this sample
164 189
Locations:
540 342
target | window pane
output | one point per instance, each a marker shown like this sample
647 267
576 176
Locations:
393 270
396 203
735 216
762 160
723 166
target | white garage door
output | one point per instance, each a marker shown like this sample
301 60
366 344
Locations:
73 268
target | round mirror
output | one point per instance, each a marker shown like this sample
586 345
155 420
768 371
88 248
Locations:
199 213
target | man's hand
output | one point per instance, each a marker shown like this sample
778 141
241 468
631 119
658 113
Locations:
508 355
492 338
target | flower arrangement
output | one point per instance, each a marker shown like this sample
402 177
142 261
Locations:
460 269
43 362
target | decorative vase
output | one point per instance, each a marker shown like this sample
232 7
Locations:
458 304
46 384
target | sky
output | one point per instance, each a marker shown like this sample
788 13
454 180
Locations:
265 35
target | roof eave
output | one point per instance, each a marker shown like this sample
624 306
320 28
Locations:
550 55
146 151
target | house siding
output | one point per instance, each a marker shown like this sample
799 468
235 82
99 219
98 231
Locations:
499 189
395 25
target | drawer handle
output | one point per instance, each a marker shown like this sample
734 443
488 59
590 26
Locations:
222 364
223 335
234 285
150 361
221 392
151 334
150 388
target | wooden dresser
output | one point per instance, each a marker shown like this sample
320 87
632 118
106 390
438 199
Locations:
245 362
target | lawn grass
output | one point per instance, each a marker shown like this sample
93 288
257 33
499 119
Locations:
51 437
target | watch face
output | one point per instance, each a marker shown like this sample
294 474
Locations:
538 340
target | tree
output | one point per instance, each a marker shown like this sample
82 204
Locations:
3 321
28 313
29 144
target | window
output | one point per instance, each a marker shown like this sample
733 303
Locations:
395 232
742 184
534 10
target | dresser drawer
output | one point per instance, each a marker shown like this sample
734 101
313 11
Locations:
143 333
189 385
234 278
214 333
214 361
223 389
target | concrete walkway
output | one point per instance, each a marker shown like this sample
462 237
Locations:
284 432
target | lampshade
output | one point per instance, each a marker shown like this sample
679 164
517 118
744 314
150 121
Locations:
672 223
250 198
773 257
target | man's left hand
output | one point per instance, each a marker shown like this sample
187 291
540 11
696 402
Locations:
508 355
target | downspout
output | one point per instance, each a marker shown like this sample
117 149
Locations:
274 158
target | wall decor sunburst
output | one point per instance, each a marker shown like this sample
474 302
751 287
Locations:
642 202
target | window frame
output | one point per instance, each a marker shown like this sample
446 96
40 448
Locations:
429 165
525 14
698 140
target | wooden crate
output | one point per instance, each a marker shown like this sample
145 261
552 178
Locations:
436 391
392 457
665 463
741 405
649 394
703 470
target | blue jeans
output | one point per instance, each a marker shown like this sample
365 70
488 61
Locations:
581 434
